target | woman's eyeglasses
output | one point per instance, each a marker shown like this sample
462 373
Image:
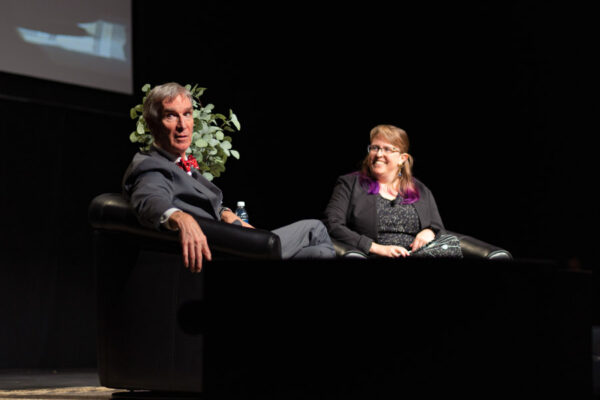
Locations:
373 148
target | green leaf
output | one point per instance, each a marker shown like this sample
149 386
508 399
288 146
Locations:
235 154
199 91
133 137
146 87
226 145
198 156
140 127
208 175
234 120
201 143
133 113
219 135
139 108
201 125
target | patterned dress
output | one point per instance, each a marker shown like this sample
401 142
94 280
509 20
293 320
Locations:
398 224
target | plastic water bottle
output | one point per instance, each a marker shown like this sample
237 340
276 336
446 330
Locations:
241 211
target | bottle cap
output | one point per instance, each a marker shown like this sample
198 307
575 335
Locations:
241 204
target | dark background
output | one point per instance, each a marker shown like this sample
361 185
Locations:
494 98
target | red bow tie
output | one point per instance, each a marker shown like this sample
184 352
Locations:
187 164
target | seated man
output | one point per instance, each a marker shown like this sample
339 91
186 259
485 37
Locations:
167 194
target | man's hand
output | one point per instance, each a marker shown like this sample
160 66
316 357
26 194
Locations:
230 217
193 241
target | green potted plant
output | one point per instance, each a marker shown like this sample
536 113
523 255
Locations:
210 144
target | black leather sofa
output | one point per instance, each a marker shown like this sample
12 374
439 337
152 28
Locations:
152 313
110 212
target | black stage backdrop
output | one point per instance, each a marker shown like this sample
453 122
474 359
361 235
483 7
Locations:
490 95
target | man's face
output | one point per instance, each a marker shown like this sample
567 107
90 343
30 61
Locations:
177 126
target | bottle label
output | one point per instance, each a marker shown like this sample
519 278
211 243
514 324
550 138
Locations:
240 212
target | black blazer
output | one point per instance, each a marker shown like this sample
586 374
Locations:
351 214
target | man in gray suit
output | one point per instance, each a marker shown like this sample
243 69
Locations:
166 193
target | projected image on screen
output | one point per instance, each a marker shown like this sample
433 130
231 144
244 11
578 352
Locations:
85 43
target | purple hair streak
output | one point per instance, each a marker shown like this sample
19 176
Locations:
372 187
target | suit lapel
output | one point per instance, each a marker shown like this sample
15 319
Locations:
203 184
196 180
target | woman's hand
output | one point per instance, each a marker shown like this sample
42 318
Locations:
422 238
391 251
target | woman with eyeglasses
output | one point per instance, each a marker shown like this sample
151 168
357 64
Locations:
382 209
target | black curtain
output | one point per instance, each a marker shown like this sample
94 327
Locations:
490 95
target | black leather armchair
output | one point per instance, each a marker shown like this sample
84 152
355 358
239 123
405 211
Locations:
110 212
144 294
470 246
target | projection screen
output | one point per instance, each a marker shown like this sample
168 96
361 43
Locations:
81 42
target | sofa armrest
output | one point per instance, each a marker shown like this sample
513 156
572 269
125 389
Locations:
111 212
345 250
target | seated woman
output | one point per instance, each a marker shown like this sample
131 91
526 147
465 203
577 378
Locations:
383 210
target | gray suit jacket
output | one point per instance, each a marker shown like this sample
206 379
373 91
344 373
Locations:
351 214
153 183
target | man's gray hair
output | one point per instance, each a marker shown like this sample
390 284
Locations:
153 105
